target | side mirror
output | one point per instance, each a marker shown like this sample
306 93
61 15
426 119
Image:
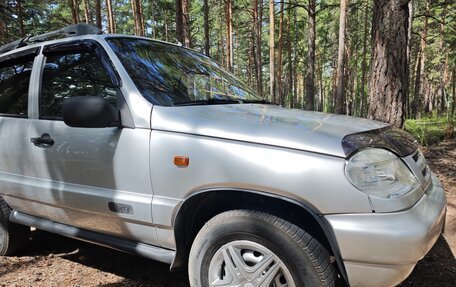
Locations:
90 112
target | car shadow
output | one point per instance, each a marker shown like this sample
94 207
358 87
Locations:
135 271
437 268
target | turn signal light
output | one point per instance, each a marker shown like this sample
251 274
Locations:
181 161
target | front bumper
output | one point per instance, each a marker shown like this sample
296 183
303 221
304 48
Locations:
381 249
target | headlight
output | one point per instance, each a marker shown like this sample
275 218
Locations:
380 173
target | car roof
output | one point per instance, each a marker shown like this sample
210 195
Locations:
93 33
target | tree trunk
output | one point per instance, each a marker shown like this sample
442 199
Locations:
388 85
364 61
186 24
179 22
251 72
409 56
135 16
419 76
272 84
136 7
229 34
20 17
280 57
4 35
258 15
141 13
3 31
321 104
453 105
340 89
165 28
74 6
352 105
207 45
310 71
98 13
87 16
450 126
294 100
289 93
441 95
111 22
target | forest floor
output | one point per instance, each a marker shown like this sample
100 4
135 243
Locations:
51 260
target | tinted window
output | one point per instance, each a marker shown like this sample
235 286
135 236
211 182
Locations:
70 75
168 75
14 85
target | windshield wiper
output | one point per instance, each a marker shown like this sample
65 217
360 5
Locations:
210 101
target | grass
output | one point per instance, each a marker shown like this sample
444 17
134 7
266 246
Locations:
428 131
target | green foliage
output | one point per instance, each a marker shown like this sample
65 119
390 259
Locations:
428 131
19 18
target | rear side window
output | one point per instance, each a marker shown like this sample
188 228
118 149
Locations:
14 86
70 75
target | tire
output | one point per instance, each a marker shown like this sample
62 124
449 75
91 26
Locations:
249 248
13 236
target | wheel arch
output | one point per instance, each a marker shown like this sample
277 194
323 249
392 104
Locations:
196 210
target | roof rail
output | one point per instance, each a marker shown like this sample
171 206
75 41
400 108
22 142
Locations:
68 31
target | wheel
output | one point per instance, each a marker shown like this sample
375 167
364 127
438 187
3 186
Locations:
248 249
13 236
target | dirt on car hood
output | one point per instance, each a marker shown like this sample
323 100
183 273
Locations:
264 124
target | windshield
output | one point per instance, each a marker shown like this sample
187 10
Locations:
169 75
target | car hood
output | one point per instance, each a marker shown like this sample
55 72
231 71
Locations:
264 124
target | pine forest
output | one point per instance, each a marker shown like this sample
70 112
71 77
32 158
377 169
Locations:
389 60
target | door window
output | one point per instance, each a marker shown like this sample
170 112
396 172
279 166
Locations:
73 74
14 86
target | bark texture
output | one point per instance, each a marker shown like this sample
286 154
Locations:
183 23
388 84
280 58
207 44
272 83
179 23
258 15
20 17
136 6
311 46
340 89
98 13
364 61
229 34
74 5
87 15
186 23
111 22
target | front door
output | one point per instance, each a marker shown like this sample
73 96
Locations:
93 178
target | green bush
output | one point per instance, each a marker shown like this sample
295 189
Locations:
428 131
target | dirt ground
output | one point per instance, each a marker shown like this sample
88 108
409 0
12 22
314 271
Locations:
51 260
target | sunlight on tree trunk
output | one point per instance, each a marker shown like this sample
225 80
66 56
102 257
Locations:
388 82
340 89
272 75
111 21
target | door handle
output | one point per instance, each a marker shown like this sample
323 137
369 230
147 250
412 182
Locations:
44 141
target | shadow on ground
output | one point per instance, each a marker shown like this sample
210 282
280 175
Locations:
438 268
134 270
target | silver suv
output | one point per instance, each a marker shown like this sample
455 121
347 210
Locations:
153 149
